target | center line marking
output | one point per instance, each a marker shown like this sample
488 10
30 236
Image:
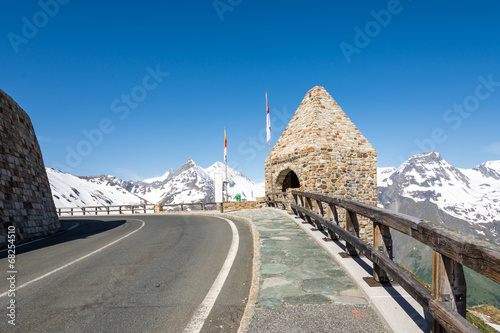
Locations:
75 261
198 319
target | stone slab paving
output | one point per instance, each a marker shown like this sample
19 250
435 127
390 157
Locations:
300 281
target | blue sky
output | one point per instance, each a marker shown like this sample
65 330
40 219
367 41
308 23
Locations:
133 88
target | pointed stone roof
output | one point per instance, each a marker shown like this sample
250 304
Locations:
319 122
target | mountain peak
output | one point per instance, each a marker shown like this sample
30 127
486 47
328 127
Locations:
217 166
189 162
489 169
426 157
159 179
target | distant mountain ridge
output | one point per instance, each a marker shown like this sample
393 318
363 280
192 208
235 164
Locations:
470 194
464 202
189 183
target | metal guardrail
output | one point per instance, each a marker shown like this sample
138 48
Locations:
446 302
105 210
123 209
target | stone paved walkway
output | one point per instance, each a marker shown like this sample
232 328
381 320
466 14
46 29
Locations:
295 271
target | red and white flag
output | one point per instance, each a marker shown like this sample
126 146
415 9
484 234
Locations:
268 122
225 146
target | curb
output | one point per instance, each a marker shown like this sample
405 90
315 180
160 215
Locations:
256 275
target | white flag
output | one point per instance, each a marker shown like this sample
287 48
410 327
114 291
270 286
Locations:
268 122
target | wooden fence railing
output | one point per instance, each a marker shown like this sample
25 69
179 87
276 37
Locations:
133 209
105 210
276 199
446 303
203 205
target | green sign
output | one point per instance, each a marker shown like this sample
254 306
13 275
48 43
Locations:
238 197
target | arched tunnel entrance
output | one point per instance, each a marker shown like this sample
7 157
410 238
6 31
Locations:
287 179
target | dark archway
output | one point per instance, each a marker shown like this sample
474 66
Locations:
291 181
287 179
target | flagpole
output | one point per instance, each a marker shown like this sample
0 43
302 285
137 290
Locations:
268 125
225 161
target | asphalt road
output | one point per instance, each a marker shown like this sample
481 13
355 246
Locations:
140 274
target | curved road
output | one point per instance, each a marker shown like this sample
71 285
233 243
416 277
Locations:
129 274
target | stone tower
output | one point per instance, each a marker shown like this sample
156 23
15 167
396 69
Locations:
26 204
322 151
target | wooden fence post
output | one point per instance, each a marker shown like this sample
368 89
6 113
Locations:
301 198
448 286
320 210
382 242
332 216
352 226
295 201
308 206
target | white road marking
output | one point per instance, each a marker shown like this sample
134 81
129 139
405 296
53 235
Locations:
200 315
75 261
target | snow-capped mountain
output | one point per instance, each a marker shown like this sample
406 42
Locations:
469 194
463 202
238 183
190 183
73 191
158 179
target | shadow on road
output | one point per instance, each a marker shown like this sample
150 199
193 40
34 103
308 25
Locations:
86 228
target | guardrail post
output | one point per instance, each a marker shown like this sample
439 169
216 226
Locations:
83 210
283 200
295 201
320 210
301 198
308 205
352 226
332 212
448 286
382 242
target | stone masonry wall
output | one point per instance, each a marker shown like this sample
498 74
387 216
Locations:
25 197
328 154
239 205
